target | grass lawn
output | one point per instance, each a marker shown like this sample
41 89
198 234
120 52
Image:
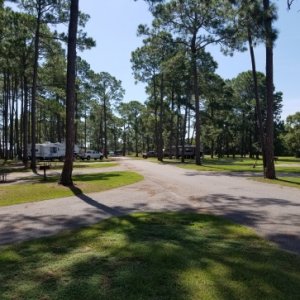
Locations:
289 160
150 256
84 164
216 164
11 167
285 181
236 165
41 190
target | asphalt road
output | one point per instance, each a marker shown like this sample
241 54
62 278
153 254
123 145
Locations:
273 211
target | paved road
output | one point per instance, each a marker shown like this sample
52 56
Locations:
273 211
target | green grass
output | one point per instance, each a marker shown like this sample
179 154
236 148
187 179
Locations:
150 256
85 164
11 167
289 160
216 164
287 168
284 181
236 165
41 190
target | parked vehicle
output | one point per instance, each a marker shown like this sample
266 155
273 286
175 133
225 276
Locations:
189 151
149 154
51 151
91 154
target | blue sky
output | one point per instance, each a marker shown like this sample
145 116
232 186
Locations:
113 25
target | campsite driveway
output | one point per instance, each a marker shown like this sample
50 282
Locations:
273 211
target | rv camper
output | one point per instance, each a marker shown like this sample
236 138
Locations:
51 151
189 151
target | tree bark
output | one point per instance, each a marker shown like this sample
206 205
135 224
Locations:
5 114
171 139
184 132
34 87
105 126
25 122
124 140
160 123
66 176
257 102
197 101
269 140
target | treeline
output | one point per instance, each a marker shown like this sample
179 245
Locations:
239 116
188 103
227 114
33 81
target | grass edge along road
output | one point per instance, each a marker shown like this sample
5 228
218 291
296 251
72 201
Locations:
12 167
287 168
151 256
39 190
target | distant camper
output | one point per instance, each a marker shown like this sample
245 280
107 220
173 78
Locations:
51 151
189 152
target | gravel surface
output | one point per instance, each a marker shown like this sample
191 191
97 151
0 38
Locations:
273 211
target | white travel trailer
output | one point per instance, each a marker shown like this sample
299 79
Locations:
51 151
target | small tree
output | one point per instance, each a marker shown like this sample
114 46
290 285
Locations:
194 24
109 93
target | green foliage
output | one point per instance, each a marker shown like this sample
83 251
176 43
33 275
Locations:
292 136
133 123
151 256
163 61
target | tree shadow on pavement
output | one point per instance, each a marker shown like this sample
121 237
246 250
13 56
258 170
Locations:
90 201
255 212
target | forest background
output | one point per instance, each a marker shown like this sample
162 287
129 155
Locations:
33 78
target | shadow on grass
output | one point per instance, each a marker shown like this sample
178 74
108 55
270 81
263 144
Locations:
151 256
51 178
96 176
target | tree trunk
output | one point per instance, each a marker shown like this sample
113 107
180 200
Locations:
11 119
171 139
183 133
212 148
34 87
105 126
124 140
66 176
160 123
25 123
115 138
197 101
155 139
257 102
177 130
269 141
17 121
85 128
136 140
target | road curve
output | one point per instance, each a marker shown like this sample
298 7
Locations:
273 211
